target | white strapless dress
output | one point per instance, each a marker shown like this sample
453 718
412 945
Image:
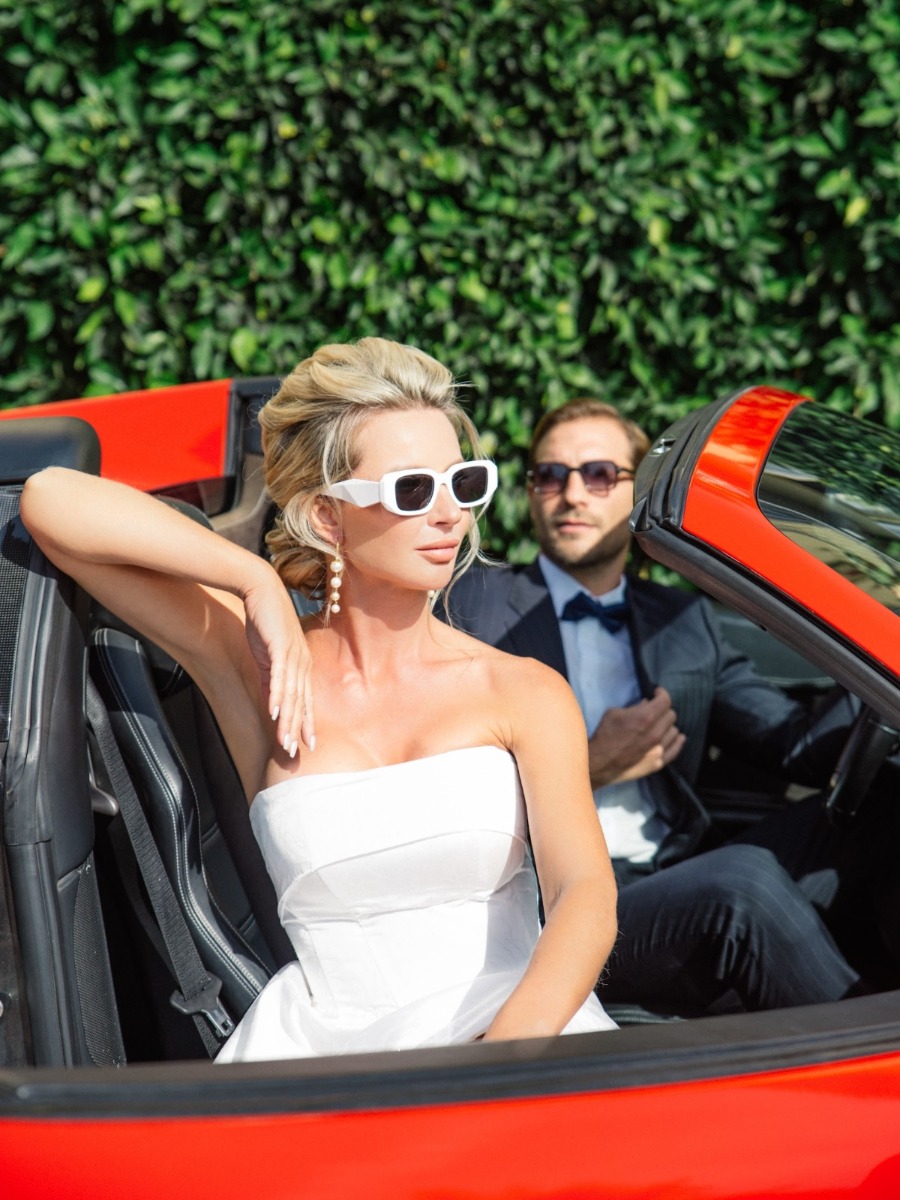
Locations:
410 898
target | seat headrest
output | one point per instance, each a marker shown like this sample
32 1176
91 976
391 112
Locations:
28 444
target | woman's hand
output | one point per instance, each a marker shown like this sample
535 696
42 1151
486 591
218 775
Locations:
279 649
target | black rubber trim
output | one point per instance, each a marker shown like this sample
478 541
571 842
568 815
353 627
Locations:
246 398
663 477
678 1052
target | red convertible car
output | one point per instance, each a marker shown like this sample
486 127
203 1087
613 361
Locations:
785 511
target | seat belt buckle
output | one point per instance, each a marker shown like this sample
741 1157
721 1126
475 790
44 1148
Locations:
207 1003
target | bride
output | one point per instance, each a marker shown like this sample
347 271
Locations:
396 818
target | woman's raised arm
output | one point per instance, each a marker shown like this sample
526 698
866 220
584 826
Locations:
218 609
573 866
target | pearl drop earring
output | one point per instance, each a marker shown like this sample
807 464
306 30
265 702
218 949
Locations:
337 566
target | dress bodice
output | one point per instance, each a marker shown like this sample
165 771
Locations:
325 837
409 896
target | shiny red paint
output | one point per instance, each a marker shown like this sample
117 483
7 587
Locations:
156 438
828 1131
721 510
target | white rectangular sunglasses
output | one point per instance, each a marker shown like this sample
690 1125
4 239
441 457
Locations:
413 492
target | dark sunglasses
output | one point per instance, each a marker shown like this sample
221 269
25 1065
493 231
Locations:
551 478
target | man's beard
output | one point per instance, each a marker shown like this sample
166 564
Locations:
603 552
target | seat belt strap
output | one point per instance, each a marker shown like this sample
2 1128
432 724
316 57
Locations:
198 990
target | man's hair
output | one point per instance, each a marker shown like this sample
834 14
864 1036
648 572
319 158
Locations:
584 406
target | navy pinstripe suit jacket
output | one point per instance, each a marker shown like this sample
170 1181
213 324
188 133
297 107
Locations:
716 693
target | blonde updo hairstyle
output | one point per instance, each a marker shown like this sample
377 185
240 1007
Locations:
310 433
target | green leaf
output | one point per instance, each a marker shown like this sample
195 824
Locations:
40 317
337 270
835 183
890 386
448 165
839 40
443 211
325 229
471 288
879 116
658 232
152 254
89 327
91 289
21 242
216 207
126 306
18 158
202 354
856 210
242 346
813 145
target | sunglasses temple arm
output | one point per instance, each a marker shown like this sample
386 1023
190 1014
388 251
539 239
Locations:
361 492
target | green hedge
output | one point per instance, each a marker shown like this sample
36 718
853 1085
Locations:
656 202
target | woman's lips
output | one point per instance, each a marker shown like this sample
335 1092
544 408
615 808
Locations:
440 552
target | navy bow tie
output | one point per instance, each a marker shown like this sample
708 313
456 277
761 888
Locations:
610 616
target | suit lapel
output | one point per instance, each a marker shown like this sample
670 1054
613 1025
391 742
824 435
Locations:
671 793
532 629
642 628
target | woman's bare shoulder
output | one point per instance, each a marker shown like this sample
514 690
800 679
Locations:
523 678
507 670
532 707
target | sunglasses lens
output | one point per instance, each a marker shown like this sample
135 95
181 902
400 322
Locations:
549 478
413 492
470 485
599 476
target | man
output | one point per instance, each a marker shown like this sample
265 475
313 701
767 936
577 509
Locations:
655 680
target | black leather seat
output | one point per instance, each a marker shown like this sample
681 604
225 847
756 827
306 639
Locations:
59 1003
198 814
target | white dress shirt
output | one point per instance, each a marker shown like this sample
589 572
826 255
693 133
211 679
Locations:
601 671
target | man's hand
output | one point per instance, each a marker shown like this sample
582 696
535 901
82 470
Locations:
630 743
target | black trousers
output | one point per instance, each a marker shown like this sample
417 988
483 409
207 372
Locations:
757 920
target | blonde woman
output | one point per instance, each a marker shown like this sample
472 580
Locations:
396 825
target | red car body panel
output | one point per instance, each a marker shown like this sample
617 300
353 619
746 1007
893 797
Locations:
153 439
818 1132
722 511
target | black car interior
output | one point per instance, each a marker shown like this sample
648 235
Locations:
87 969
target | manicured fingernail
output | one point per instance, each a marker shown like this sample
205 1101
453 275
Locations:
293 749
312 744
275 711
286 744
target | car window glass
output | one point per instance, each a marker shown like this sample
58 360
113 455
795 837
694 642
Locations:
832 486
